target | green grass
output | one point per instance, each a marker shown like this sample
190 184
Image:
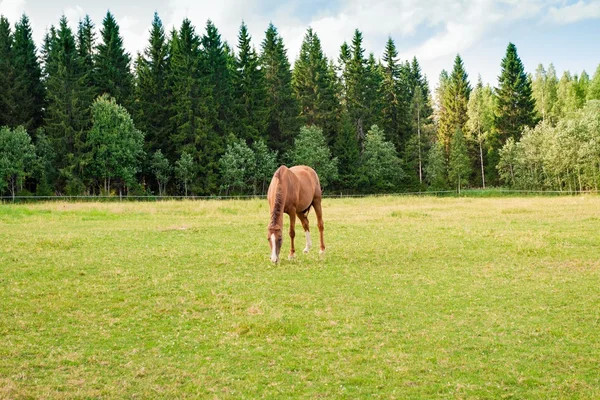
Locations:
415 298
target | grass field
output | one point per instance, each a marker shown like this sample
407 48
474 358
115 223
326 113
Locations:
415 298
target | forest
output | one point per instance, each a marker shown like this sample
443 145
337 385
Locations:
195 115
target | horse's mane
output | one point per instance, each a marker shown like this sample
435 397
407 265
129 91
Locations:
278 201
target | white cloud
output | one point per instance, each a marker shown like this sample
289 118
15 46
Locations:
73 15
575 12
135 35
12 9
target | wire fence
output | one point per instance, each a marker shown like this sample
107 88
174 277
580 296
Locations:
439 193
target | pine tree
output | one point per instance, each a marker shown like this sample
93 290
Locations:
374 77
152 91
357 87
7 103
455 100
515 104
29 92
218 77
282 119
251 95
459 166
314 87
85 49
68 116
192 130
393 111
113 75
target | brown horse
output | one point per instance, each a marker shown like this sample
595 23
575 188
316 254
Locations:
293 191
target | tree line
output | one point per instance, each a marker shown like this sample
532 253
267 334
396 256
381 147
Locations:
192 114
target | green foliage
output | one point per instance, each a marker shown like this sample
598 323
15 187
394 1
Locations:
185 170
17 158
393 94
565 157
44 172
381 169
218 73
594 86
236 167
545 93
115 145
113 74
7 74
153 96
455 92
314 86
436 172
459 166
282 105
310 148
251 94
265 164
161 168
192 131
68 115
480 124
28 89
246 169
515 106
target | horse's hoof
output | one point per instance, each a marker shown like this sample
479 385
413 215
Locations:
291 257
322 252
306 250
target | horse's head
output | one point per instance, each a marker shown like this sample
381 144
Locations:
275 238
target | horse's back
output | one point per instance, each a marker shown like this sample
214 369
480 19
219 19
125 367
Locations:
309 182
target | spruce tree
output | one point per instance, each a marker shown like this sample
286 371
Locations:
85 48
29 92
455 100
251 95
393 111
113 75
217 76
515 104
357 87
374 77
314 87
7 104
152 91
459 166
282 118
68 114
191 132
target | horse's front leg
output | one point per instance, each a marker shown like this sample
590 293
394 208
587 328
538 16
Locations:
292 235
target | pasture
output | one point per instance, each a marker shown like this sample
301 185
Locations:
415 298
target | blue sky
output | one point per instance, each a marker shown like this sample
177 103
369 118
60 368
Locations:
566 33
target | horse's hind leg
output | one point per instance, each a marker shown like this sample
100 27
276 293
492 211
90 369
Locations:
292 235
319 212
304 220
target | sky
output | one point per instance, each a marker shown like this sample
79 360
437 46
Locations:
563 32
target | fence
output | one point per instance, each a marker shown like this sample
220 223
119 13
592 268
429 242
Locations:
440 193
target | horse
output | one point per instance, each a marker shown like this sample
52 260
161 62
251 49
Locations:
293 191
